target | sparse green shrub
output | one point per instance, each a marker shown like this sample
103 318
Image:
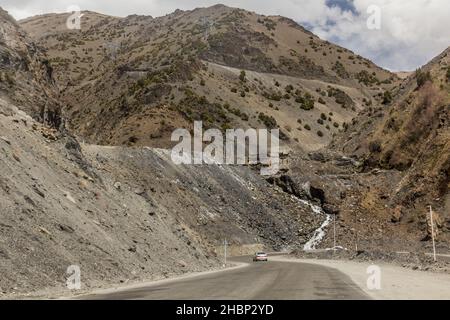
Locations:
307 127
268 121
244 117
366 78
375 146
345 126
194 107
320 133
367 102
422 77
306 101
341 97
242 76
340 70
273 96
268 23
132 140
387 97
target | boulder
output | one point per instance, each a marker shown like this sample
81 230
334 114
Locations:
396 214
330 209
317 156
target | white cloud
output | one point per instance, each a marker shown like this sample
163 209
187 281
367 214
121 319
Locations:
412 32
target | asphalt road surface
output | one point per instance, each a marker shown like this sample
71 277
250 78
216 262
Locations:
270 280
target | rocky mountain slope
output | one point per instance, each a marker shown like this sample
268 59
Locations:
131 81
126 214
121 214
25 73
83 113
408 139
382 173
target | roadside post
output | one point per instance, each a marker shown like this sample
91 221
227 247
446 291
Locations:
225 243
334 232
432 234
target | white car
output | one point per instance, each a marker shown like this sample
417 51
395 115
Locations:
260 256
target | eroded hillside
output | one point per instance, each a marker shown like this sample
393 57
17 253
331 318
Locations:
126 214
406 146
131 81
82 182
121 214
26 74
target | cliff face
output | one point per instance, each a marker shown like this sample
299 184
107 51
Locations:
25 73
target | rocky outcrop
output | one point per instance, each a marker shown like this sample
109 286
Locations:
302 191
25 74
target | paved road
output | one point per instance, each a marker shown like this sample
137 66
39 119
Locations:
271 280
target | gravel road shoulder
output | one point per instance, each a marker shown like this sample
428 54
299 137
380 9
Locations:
397 283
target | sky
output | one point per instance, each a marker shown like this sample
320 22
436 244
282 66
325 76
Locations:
403 34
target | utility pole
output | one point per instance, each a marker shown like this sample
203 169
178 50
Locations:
334 232
432 234
356 229
225 243
207 25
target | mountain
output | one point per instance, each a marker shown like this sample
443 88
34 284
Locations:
409 139
121 214
131 81
86 117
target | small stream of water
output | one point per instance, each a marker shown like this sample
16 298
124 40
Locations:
319 234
